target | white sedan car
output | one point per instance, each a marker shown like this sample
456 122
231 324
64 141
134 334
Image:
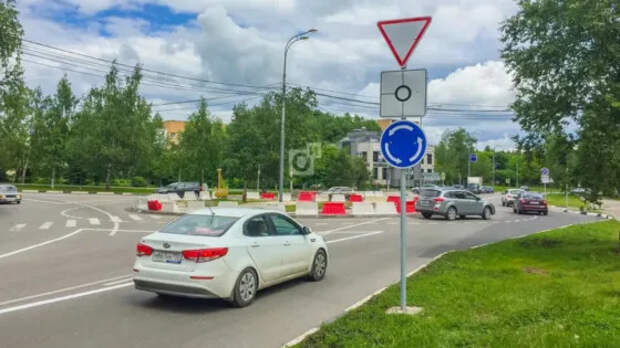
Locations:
228 253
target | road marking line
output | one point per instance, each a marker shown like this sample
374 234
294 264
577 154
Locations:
70 223
115 219
14 252
94 221
301 337
63 298
21 299
65 213
155 217
325 233
135 217
119 281
354 237
17 227
46 225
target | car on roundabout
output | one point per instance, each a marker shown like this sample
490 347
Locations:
509 196
527 202
9 194
452 203
228 253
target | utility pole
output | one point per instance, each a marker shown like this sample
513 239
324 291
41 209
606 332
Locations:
493 166
258 179
517 173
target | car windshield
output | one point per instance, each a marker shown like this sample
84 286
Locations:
514 192
201 225
533 196
7 188
430 193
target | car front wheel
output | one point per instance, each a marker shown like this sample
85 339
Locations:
245 288
319 266
486 213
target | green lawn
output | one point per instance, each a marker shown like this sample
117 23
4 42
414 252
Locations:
554 289
88 188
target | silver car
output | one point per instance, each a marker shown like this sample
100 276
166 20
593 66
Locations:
453 203
9 194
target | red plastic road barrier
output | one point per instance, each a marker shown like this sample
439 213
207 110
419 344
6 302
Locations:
410 207
354 197
268 195
153 205
333 208
306 196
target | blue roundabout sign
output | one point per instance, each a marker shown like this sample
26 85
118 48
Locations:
403 144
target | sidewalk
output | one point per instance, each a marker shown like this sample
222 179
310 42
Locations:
612 207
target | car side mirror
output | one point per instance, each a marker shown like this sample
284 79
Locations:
306 230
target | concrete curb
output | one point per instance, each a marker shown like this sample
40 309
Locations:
571 211
361 302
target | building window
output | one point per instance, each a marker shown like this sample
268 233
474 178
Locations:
364 155
173 134
429 158
375 172
375 156
384 173
429 170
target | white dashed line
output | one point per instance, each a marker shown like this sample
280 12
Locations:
70 223
17 227
135 217
156 217
115 219
94 221
46 225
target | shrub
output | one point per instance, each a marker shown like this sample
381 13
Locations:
138 181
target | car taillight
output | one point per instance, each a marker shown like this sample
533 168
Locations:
522 200
544 202
205 255
439 199
143 250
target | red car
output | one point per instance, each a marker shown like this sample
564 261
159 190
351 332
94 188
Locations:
530 202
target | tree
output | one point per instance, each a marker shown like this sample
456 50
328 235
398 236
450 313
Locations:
452 154
565 59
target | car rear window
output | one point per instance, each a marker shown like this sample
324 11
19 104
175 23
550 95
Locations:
430 193
533 196
200 225
8 188
514 192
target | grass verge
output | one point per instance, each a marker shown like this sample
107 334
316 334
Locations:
554 289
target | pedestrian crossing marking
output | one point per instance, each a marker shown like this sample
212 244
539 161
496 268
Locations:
46 225
94 221
70 223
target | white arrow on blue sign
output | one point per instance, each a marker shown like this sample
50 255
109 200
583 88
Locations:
473 158
544 171
403 144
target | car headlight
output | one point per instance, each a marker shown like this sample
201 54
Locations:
1 196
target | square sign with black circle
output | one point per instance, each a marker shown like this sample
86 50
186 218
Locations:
403 93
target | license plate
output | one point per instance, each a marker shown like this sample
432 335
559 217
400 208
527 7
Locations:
167 256
534 203
10 196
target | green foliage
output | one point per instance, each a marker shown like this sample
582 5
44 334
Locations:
565 59
452 154
138 181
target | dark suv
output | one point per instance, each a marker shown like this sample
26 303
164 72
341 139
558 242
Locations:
180 188
453 203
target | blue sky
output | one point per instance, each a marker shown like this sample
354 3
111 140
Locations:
241 41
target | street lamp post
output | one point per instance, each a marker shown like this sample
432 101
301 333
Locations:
289 43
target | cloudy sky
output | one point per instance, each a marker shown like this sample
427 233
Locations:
239 43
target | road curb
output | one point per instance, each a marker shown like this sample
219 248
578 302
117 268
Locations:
570 211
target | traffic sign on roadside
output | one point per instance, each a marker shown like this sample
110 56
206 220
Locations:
403 93
473 158
403 35
403 144
544 171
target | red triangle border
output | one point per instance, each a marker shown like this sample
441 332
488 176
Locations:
403 62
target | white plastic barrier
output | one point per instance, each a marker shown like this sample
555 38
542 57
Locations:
141 204
338 197
190 196
385 208
227 204
307 209
267 205
253 195
195 205
173 197
205 195
286 197
322 197
169 207
362 209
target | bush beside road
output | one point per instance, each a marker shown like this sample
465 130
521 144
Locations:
559 288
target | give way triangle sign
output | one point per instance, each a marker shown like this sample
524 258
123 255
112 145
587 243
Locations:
403 35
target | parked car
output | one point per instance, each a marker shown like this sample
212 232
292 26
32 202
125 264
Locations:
474 188
508 197
416 190
340 189
524 188
180 188
228 253
9 194
580 191
530 202
458 186
453 203
487 189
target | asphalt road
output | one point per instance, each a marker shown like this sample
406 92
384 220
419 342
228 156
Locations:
65 270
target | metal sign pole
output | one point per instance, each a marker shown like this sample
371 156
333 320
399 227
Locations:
403 240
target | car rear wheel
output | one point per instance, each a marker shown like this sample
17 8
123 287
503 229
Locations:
451 215
319 266
503 204
427 215
486 213
245 288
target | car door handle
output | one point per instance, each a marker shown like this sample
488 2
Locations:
287 243
255 245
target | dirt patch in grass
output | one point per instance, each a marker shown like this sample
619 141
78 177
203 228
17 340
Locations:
540 242
534 270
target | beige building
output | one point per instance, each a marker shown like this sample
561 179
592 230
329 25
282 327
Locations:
173 130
